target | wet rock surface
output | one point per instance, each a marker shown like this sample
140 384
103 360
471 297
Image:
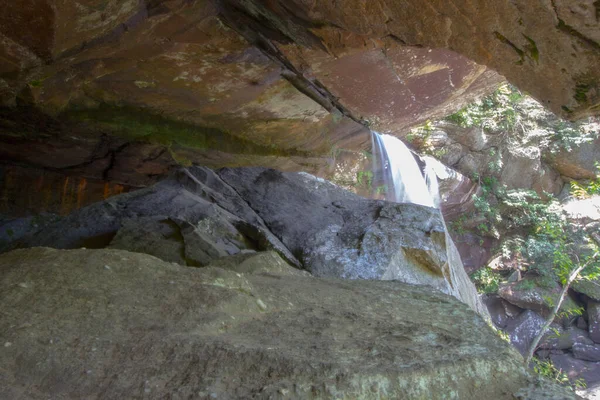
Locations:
115 324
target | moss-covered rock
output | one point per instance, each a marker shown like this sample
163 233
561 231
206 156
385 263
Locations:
538 294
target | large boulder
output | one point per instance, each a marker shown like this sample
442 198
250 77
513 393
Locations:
575 368
579 162
560 339
539 294
593 311
523 329
337 234
193 217
586 352
111 324
501 311
198 216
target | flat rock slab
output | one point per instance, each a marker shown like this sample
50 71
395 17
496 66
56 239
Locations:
111 324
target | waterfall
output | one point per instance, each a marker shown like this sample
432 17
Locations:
398 171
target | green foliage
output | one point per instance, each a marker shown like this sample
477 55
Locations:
525 285
495 112
486 280
36 83
549 371
365 178
458 226
582 191
568 136
575 312
503 335
381 189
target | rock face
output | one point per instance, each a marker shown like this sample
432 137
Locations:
578 163
130 90
199 216
127 91
29 191
532 44
577 369
114 324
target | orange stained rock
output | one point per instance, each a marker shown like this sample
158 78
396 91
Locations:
81 192
65 200
107 191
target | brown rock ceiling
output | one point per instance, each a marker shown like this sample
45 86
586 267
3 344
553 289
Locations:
124 90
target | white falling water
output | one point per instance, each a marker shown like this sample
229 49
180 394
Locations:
401 174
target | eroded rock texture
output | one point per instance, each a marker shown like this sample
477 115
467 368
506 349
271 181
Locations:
550 48
114 324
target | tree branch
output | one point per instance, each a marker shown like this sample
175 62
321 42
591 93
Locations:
552 315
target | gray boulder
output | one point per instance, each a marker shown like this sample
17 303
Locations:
588 352
191 218
579 161
537 294
112 324
523 329
335 233
264 262
199 215
560 339
501 311
593 312
577 369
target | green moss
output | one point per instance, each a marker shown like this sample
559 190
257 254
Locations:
562 26
138 124
526 284
532 48
567 109
581 91
504 40
36 83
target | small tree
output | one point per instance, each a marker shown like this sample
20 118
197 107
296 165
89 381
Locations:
569 268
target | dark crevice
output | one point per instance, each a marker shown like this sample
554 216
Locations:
396 39
288 257
505 40
262 37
